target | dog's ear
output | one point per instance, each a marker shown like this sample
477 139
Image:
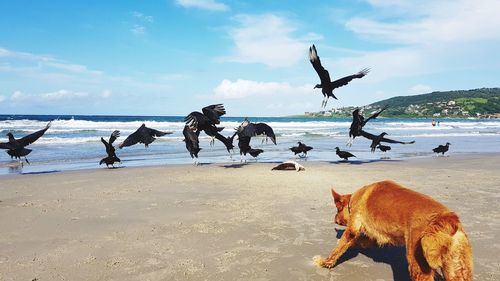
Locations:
336 196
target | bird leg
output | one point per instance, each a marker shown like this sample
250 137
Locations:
212 141
349 142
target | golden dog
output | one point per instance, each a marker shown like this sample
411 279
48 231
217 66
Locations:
385 213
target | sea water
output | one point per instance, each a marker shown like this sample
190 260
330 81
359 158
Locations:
74 142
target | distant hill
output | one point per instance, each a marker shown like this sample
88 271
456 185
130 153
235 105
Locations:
484 102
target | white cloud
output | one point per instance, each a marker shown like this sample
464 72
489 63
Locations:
420 89
433 22
210 5
142 16
138 29
62 94
106 94
17 96
267 39
2 98
245 88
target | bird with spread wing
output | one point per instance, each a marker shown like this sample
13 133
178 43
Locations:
16 147
246 131
110 150
327 86
143 135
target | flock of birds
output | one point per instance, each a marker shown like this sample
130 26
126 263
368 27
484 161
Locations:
209 119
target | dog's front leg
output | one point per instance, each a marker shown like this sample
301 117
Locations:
346 241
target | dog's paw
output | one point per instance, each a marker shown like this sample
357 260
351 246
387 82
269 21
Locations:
319 261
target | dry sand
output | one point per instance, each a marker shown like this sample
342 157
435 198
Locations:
217 222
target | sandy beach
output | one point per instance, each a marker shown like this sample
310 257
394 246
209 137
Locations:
225 221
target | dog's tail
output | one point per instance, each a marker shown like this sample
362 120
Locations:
445 245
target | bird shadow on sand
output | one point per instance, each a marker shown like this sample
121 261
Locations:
235 165
394 256
360 162
41 172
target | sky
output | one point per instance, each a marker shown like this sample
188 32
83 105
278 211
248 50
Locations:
172 57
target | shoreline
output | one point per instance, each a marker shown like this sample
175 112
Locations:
225 222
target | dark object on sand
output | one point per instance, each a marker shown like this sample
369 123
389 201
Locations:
143 135
289 165
442 148
110 150
343 154
301 148
358 122
16 148
326 85
207 122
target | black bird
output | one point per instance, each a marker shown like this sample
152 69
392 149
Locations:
384 148
301 149
110 150
343 154
376 140
250 129
327 86
192 142
16 148
246 131
358 122
206 122
143 135
442 148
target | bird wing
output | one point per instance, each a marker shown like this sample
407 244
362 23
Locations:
109 148
264 129
375 115
113 136
31 138
383 139
345 80
156 133
323 74
190 135
214 112
196 120
5 145
133 138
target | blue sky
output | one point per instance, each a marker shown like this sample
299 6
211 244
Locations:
171 57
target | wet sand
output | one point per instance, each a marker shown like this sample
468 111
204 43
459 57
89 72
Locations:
225 222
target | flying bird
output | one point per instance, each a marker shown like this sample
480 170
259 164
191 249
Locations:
206 121
358 122
192 142
16 147
376 140
327 86
250 129
442 148
143 135
343 154
300 149
110 150
245 131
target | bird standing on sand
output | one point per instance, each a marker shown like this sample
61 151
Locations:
192 142
442 148
207 122
343 154
301 149
16 148
110 150
143 135
358 122
326 85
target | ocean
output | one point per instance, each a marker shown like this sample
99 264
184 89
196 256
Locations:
73 142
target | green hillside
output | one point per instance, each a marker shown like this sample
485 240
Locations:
485 101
